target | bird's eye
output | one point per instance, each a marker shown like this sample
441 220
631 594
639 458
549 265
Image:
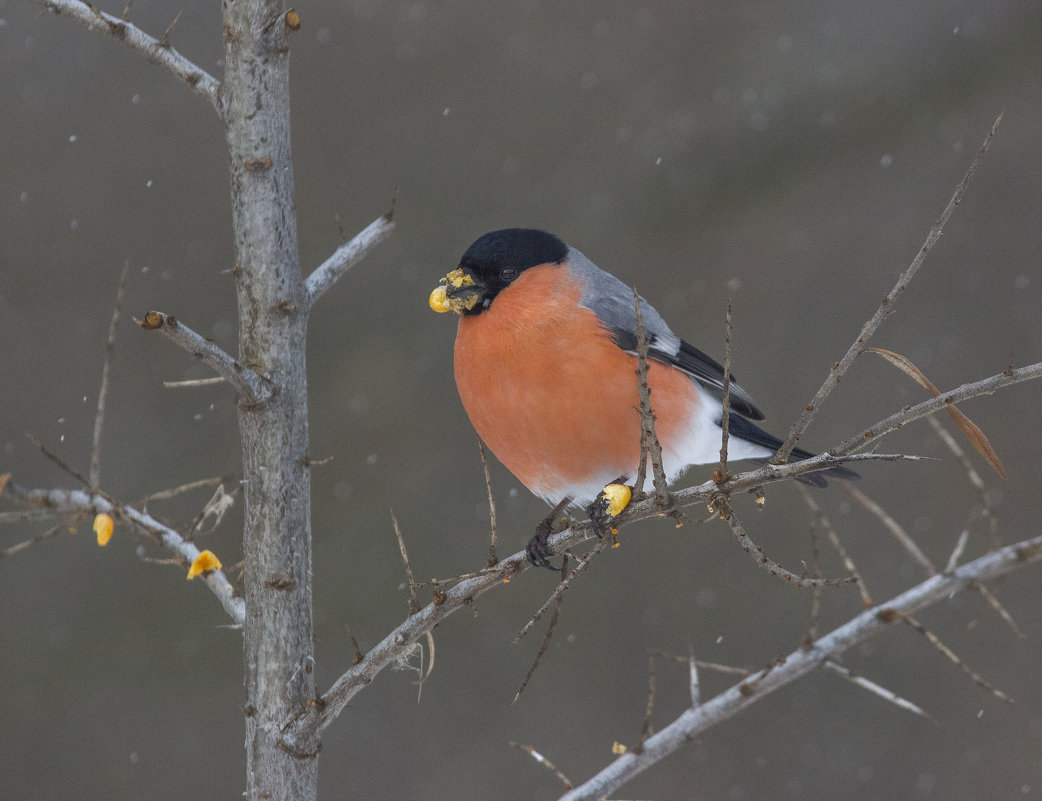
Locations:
508 273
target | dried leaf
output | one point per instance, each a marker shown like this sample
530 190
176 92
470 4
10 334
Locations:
972 432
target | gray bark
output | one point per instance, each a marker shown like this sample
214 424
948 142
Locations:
273 309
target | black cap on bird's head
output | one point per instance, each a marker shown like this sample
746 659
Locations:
492 263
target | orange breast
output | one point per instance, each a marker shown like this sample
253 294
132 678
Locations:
552 395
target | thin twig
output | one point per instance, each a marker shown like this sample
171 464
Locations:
492 558
725 400
165 41
702 665
646 729
886 308
565 583
996 604
11 550
961 542
890 524
252 388
546 763
833 536
347 256
987 507
876 689
953 445
814 572
194 382
354 641
202 483
550 629
198 80
94 474
935 641
414 604
649 437
59 462
723 507
694 685
25 515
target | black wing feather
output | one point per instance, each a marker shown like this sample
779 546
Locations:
705 370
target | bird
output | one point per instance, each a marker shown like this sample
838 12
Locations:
545 364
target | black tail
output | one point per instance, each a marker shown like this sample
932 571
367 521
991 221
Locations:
750 432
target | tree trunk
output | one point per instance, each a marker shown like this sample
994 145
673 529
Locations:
273 310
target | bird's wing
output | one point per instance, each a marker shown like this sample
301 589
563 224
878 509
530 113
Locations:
612 301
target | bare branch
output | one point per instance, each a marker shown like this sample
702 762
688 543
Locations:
699 663
414 605
694 685
875 689
756 552
550 629
725 399
62 501
492 558
830 532
886 308
996 604
154 50
166 494
194 382
94 473
891 525
546 763
650 446
647 729
956 449
165 41
693 722
951 656
18 547
565 583
253 389
945 399
347 256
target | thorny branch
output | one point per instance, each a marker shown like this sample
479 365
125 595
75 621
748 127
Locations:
253 389
945 399
448 601
886 308
694 721
60 501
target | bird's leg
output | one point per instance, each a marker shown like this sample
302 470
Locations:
537 551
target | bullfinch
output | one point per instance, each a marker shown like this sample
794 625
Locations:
545 363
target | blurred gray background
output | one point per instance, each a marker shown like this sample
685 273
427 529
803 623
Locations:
789 157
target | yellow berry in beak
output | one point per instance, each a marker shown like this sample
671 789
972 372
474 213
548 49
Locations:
459 301
439 300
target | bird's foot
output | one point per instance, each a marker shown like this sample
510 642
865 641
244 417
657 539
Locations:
538 548
614 498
